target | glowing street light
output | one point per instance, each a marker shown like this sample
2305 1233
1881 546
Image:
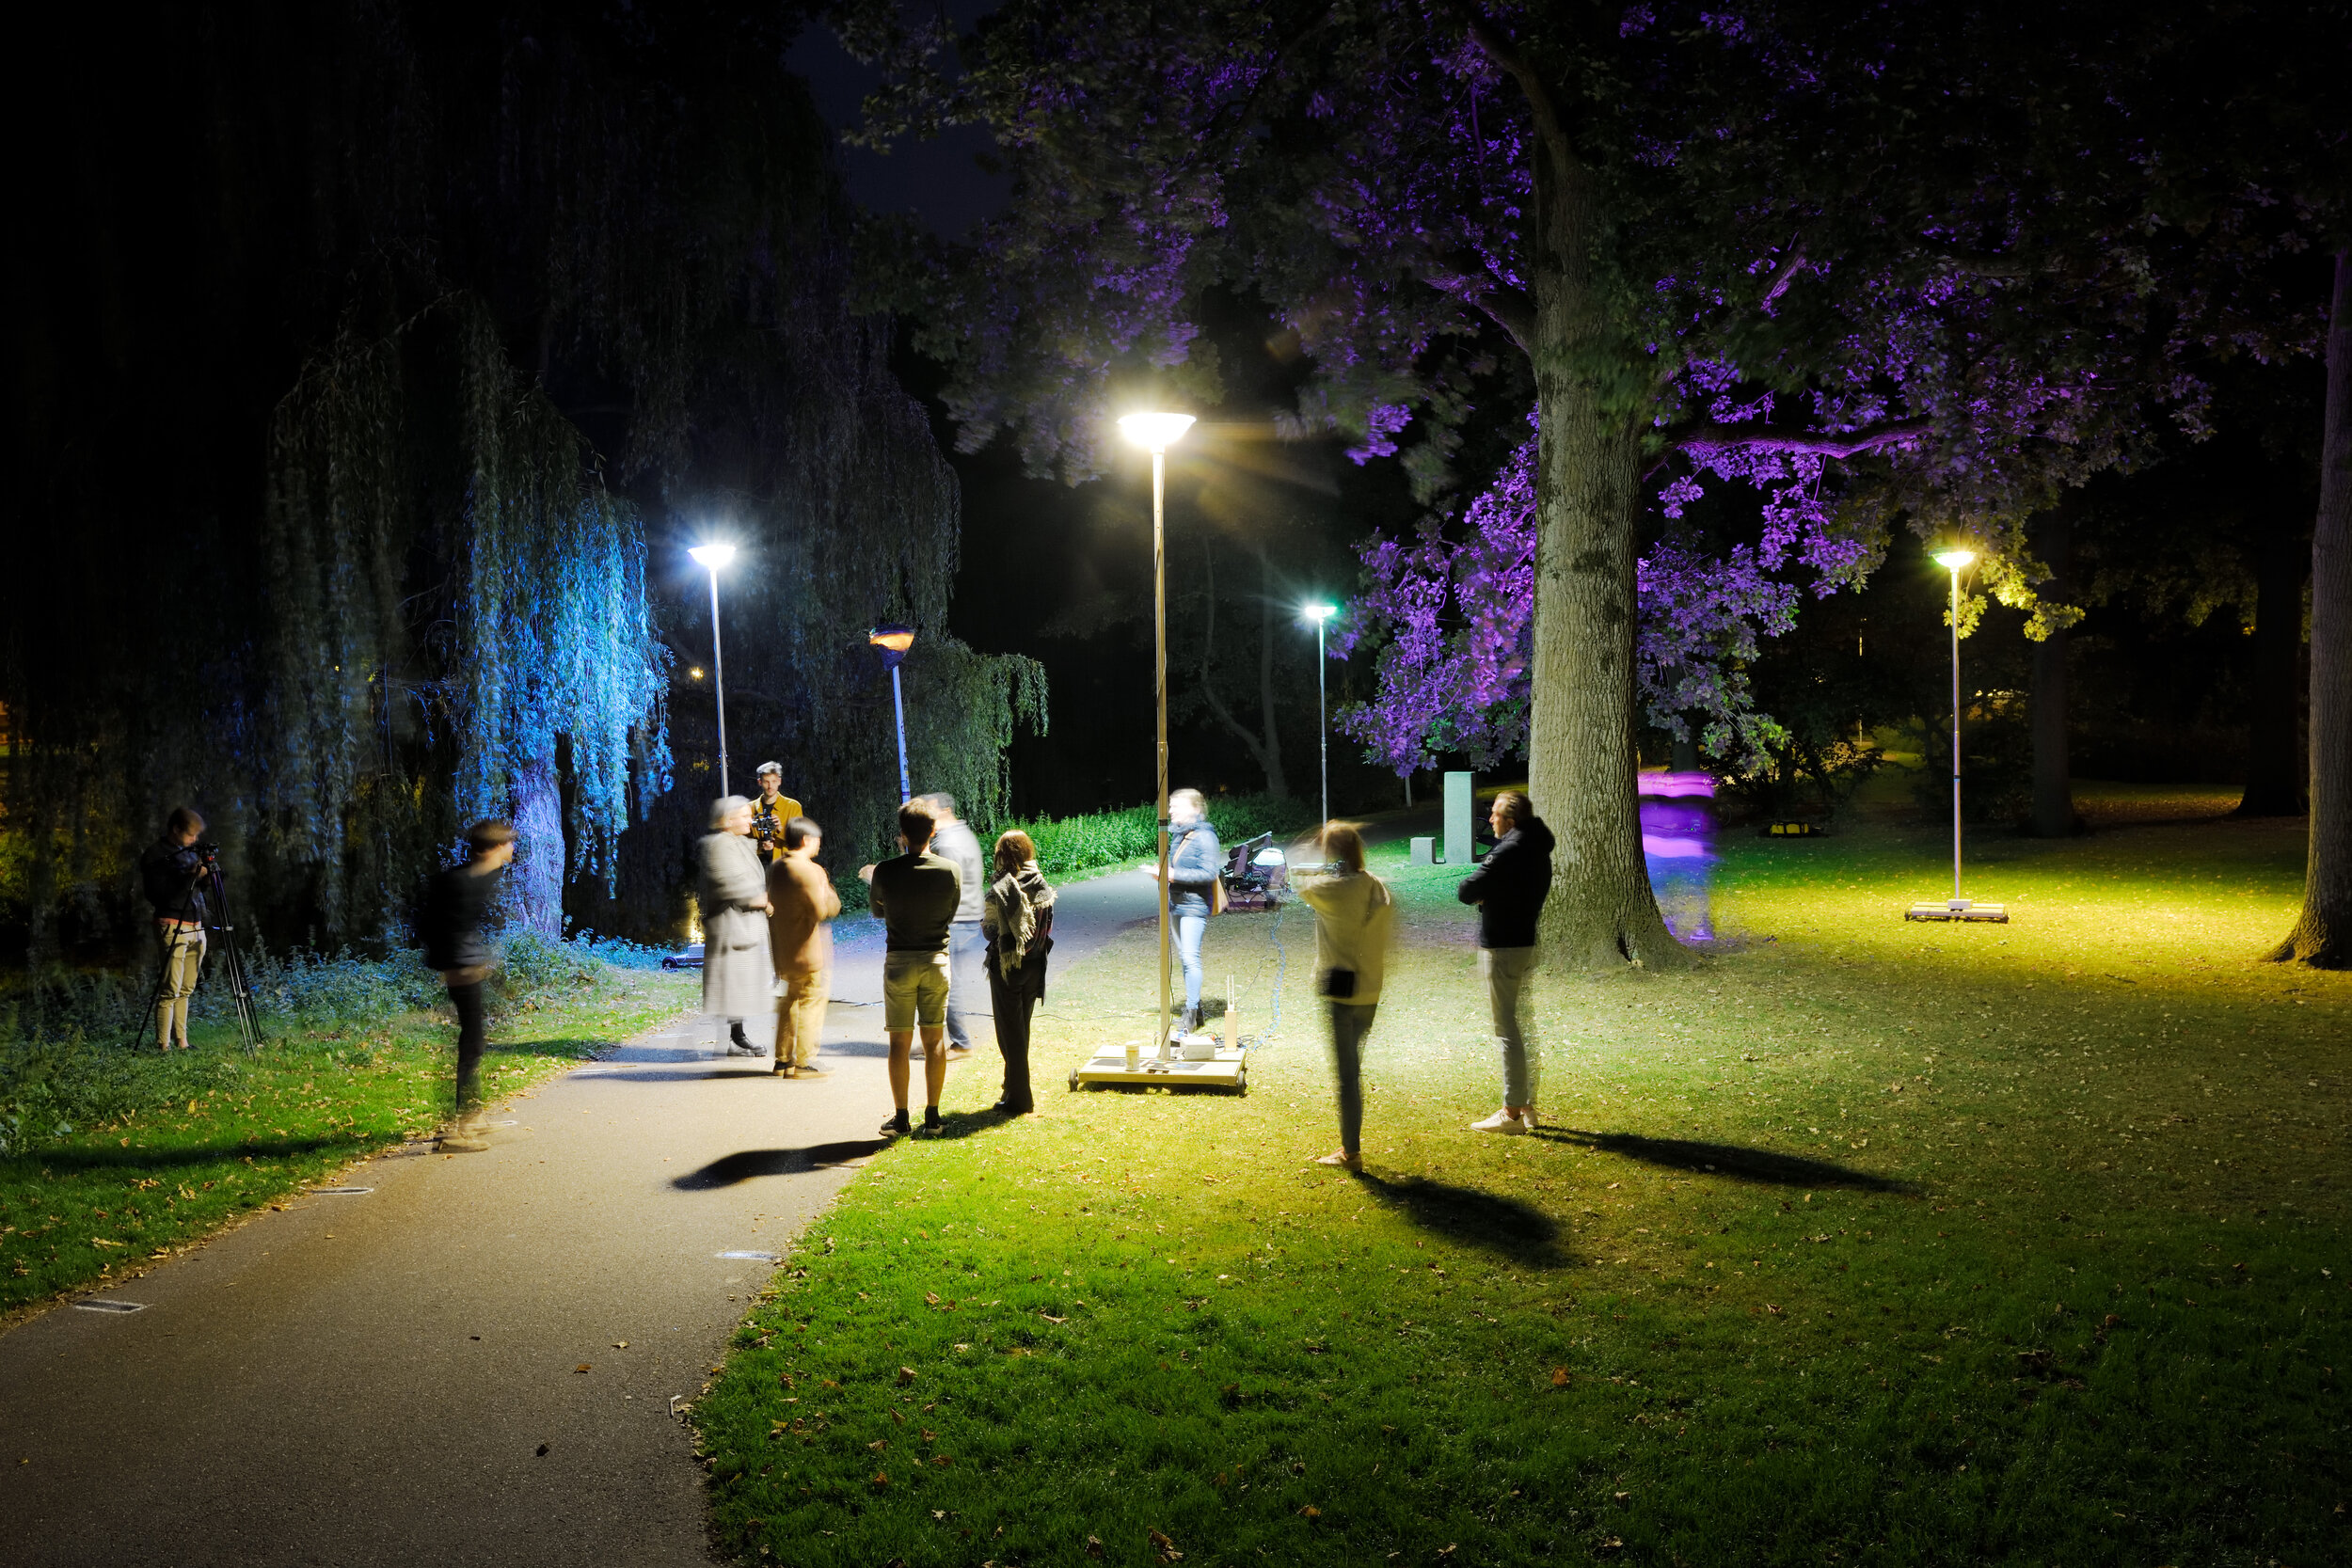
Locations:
1157 432
894 640
713 557
1956 560
1319 613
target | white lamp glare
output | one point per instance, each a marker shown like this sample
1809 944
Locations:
1320 612
1952 561
713 556
1156 431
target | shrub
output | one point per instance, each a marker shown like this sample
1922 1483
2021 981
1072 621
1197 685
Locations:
1072 846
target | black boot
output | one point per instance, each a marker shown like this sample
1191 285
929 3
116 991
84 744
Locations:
741 1045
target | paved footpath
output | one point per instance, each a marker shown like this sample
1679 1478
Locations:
475 1361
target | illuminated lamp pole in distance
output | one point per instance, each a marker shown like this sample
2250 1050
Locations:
894 640
713 557
1956 560
1157 432
1320 614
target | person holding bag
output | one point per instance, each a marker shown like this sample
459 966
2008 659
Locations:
1018 921
1355 922
737 978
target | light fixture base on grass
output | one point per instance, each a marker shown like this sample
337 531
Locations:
1959 909
1226 1069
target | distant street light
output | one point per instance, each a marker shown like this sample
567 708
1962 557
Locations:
713 557
1956 560
1319 613
894 641
1158 432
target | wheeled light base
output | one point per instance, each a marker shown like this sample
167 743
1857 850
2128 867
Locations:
1228 1069
1959 909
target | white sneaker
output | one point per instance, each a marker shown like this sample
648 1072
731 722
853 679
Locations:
1501 1121
1527 1115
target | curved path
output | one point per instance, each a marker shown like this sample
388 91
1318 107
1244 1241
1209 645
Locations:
475 1361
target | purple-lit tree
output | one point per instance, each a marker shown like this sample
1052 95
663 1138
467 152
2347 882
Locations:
1822 249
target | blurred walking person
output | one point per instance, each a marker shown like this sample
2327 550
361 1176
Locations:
916 897
174 875
1509 888
799 934
1355 922
458 909
1194 861
737 980
953 840
1018 920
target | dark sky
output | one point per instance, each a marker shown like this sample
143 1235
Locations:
937 180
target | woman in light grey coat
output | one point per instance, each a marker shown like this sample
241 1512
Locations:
737 979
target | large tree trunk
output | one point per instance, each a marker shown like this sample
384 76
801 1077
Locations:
2053 769
1581 731
2322 936
1277 783
1266 749
2274 739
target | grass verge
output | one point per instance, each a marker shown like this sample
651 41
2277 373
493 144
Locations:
164 1149
1859 1242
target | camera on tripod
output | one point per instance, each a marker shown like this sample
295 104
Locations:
206 850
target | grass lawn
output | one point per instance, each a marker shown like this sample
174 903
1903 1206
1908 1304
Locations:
191 1141
1860 1242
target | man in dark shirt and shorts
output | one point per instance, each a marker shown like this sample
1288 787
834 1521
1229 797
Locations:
916 897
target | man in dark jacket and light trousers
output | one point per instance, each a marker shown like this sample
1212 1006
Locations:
1509 888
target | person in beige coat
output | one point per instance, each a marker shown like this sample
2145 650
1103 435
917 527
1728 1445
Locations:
737 981
800 938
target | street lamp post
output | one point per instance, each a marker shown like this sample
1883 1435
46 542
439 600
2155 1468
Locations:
1957 908
1320 614
894 641
713 557
1158 432
1955 561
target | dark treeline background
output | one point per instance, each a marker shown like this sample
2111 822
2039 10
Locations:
373 363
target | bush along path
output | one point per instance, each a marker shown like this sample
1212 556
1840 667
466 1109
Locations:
1862 1242
113 1158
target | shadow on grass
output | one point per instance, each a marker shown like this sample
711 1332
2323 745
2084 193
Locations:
749 1163
1517 1230
83 1161
1748 1164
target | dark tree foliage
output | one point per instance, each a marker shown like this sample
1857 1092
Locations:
1921 258
387 352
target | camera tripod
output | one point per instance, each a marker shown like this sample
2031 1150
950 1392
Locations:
232 962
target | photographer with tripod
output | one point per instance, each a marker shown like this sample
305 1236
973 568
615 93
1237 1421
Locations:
176 872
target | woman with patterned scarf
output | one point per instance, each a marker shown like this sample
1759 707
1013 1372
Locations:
1018 922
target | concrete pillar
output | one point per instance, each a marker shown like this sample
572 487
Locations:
1460 820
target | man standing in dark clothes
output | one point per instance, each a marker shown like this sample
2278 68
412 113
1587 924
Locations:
175 877
916 897
456 909
1509 888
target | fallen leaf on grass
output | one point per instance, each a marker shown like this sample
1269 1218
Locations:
1051 1319
882 1479
1311 1512
1559 1377
101 1240
942 1460
1163 1549
879 1444
581 1367
1094 1546
906 1375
